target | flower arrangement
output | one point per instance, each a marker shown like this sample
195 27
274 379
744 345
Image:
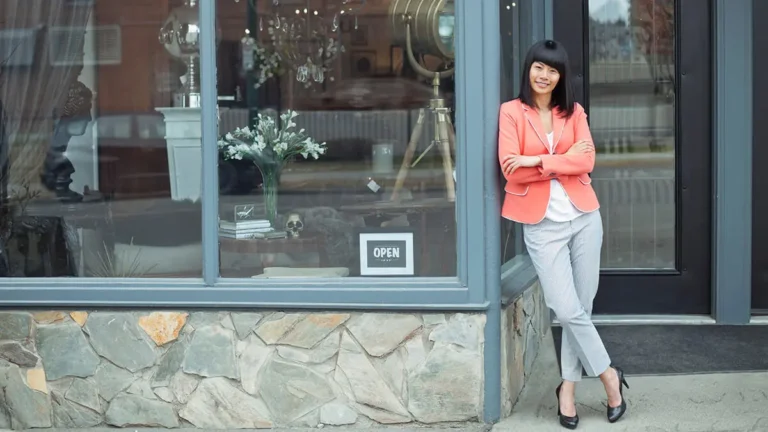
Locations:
268 63
270 145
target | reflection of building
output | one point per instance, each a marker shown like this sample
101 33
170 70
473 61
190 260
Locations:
134 308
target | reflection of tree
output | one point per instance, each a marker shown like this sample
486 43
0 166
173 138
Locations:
654 24
609 41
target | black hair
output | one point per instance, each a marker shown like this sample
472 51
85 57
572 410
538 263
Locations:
552 54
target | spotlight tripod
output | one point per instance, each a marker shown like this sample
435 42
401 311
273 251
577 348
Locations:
444 136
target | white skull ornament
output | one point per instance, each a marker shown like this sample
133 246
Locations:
294 225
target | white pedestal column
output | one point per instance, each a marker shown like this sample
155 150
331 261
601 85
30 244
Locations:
183 134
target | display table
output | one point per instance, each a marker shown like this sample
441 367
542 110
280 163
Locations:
59 225
309 244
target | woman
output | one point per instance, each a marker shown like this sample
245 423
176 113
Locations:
546 154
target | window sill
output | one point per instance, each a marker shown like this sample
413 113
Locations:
337 293
517 275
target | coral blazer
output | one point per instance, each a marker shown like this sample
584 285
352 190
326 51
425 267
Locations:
527 190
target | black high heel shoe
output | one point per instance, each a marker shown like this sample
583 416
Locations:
565 421
615 413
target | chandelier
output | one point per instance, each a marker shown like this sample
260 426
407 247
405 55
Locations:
306 39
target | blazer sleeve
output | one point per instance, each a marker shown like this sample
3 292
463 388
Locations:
509 144
571 164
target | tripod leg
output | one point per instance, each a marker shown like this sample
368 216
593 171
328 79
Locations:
405 166
451 135
445 150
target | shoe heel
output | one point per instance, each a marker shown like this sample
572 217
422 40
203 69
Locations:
623 381
615 413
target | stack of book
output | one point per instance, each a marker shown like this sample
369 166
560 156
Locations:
249 229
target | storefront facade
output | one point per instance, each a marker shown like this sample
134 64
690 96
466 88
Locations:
346 263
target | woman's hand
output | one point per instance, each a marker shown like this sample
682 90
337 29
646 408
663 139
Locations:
512 162
582 146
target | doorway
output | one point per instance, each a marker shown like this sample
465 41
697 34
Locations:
643 73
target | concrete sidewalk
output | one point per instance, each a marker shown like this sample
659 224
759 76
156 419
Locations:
680 403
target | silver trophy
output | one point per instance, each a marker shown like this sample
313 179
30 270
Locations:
180 35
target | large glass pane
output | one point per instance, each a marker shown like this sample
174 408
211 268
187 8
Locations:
346 165
96 181
632 118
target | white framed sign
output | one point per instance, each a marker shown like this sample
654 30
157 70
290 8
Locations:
387 252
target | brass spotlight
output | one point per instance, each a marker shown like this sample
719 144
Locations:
431 25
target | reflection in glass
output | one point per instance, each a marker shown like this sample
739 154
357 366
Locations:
446 30
336 74
632 118
88 188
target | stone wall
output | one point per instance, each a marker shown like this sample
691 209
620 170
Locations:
226 370
524 323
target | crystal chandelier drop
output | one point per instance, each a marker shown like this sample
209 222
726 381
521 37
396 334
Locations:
307 39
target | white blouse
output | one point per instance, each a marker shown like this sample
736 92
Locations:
560 208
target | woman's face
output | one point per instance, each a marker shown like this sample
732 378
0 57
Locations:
543 78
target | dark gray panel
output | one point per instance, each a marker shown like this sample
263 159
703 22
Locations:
733 162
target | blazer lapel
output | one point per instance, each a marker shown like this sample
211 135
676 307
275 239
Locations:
535 121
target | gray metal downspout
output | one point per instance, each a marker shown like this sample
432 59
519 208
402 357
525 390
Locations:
492 223
210 183
732 235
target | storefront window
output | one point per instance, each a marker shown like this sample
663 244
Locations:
337 150
336 153
96 182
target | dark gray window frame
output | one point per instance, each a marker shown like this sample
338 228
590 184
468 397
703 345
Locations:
474 287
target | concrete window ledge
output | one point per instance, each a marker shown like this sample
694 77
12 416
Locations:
525 320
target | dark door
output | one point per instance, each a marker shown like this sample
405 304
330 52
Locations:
760 160
643 70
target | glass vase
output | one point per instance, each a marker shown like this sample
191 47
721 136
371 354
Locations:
270 186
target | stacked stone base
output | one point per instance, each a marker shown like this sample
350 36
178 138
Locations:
252 370
524 323
231 370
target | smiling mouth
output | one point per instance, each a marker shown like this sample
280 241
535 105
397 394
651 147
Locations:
542 85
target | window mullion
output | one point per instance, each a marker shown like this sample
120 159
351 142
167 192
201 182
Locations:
210 182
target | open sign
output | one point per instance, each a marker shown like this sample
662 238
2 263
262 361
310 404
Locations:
387 253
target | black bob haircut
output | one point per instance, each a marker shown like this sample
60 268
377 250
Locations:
552 54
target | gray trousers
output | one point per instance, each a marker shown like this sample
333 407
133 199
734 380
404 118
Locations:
566 256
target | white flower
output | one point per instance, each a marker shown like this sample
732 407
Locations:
270 140
260 143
